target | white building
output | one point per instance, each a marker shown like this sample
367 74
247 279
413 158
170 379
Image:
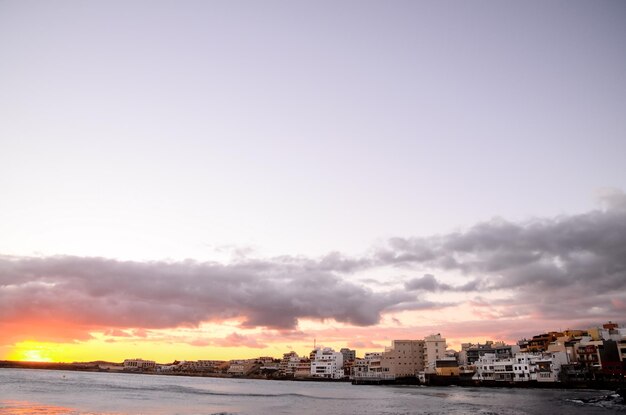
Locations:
166 368
139 364
237 368
198 366
243 367
327 363
369 367
523 367
485 367
289 364
303 370
373 356
359 369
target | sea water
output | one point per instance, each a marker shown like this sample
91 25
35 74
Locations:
44 392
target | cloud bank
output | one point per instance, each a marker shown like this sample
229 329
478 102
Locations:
98 292
572 266
568 267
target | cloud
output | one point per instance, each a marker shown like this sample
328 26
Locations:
420 305
611 198
558 267
141 333
239 340
116 333
365 344
232 340
106 293
429 283
426 283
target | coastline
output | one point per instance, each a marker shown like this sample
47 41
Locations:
433 380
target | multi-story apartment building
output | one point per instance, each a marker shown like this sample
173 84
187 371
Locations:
587 353
405 358
359 369
434 349
139 364
327 363
485 367
237 368
470 353
349 355
243 367
540 342
369 367
303 369
206 366
288 364
523 367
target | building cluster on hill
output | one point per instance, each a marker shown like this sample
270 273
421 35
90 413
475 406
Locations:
571 355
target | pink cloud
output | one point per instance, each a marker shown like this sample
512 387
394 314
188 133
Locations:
239 340
365 344
201 343
143 333
116 333
232 340
618 304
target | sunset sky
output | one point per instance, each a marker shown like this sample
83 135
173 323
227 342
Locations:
216 179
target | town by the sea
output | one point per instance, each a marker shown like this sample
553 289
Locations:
52 392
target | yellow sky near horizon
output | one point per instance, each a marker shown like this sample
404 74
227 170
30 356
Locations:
168 345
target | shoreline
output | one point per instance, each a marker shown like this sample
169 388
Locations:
435 381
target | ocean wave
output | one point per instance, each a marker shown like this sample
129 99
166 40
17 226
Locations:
199 391
613 401
190 390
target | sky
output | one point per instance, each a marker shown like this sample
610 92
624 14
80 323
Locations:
214 179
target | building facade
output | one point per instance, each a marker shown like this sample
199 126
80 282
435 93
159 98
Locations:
470 353
349 355
139 364
288 364
434 349
327 363
405 358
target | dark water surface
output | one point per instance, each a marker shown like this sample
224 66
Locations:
52 392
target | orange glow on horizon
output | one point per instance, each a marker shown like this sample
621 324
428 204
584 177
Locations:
160 351
227 340
29 408
30 351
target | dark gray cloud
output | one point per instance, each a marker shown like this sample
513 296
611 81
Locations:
426 283
94 292
429 283
559 266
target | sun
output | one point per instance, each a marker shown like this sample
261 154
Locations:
34 356
30 352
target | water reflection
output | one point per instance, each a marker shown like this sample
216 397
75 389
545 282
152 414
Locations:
32 408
